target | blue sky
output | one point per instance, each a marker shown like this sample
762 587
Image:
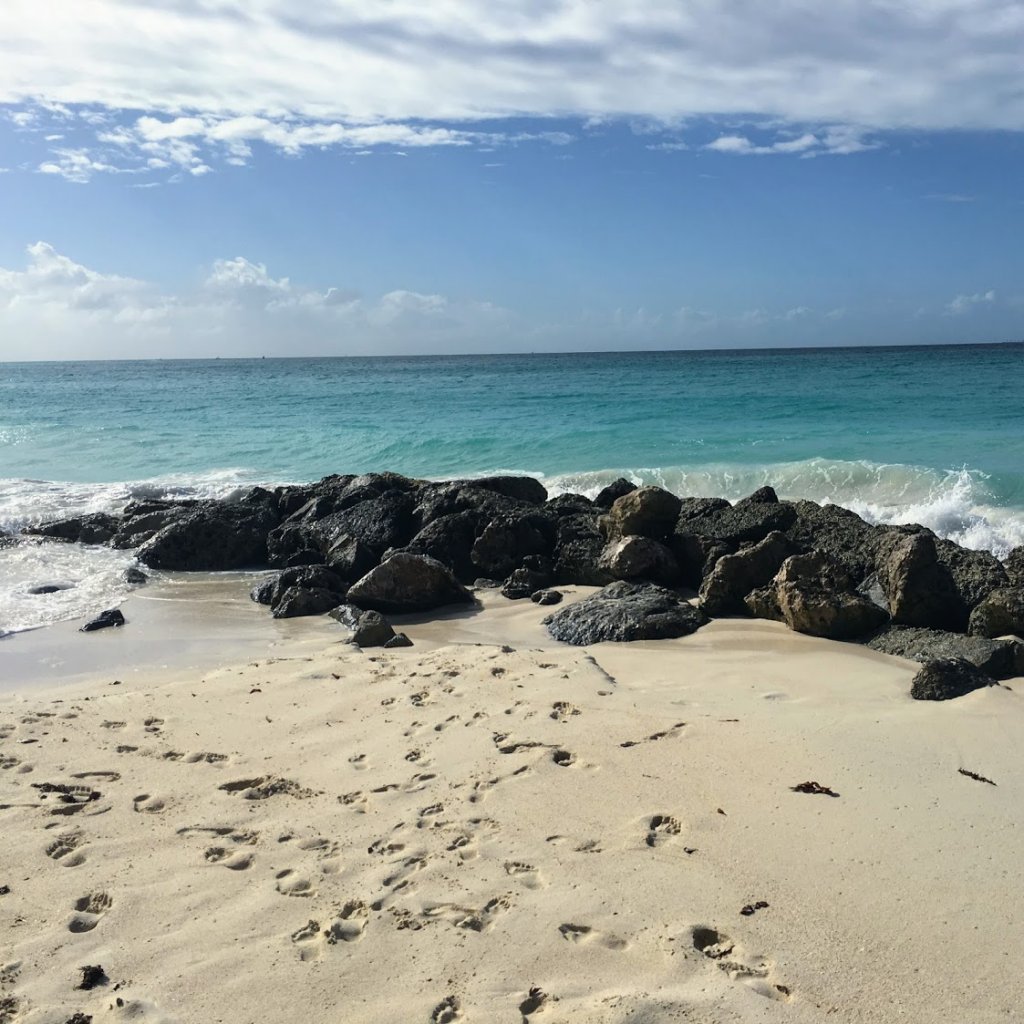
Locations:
212 177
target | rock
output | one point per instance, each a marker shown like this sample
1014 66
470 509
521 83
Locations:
105 620
398 640
996 658
647 512
211 537
408 583
735 576
263 592
1000 613
696 556
142 520
813 596
546 597
577 554
919 589
640 558
841 535
1013 565
434 500
522 583
569 505
625 611
380 522
975 574
948 679
50 588
308 577
350 558
135 577
372 630
607 496
292 544
507 539
450 540
346 614
746 522
521 488
695 508
484 583
94 528
762 496
300 601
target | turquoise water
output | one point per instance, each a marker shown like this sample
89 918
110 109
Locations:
933 435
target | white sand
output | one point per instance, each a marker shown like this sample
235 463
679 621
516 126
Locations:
418 872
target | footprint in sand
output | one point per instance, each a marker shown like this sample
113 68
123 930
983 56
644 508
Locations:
65 850
113 725
582 934
661 828
205 757
289 883
144 803
359 762
237 861
527 874
754 972
351 923
153 724
535 1001
309 941
562 710
88 911
408 867
563 758
446 1011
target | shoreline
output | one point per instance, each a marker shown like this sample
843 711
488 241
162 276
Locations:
509 818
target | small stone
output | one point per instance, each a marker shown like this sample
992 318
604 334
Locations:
399 640
136 577
372 630
105 620
92 976
546 597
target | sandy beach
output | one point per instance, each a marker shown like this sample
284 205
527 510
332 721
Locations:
493 827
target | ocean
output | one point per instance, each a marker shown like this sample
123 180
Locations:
933 435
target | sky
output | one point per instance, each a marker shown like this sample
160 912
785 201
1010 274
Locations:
188 178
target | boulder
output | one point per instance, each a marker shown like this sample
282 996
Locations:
1000 613
372 630
299 601
135 577
546 597
142 520
646 512
570 505
508 539
735 576
625 611
522 488
94 528
523 583
813 596
381 521
1013 565
746 522
762 496
450 540
398 640
105 620
841 535
309 577
294 543
919 589
640 558
408 583
346 614
975 574
577 554
349 558
212 536
49 588
607 496
997 658
695 508
434 500
263 592
948 679
696 556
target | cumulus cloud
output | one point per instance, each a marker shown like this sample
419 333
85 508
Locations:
187 77
965 303
58 309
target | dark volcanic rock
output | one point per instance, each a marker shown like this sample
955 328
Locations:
694 508
696 556
841 535
211 537
380 522
1013 564
735 576
350 558
546 597
522 583
408 583
640 558
813 596
346 614
625 611
577 555
50 588
919 588
450 540
570 505
105 620
372 630
292 544
398 640
996 658
647 512
1000 613
948 679
299 601
508 539
975 574
762 496
263 592
95 528
521 488
142 520
135 577
607 496
745 522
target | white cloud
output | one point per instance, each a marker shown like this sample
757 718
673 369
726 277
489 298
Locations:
965 303
225 74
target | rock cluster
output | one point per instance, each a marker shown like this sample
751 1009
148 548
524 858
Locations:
389 544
